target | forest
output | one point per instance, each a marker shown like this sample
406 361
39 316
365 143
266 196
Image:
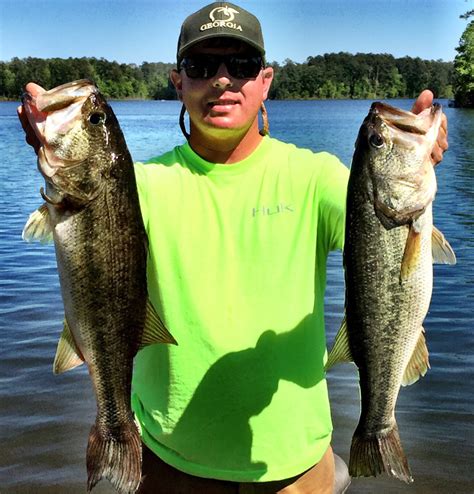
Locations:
463 80
332 75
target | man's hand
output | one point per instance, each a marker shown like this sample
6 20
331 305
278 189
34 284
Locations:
31 138
425 100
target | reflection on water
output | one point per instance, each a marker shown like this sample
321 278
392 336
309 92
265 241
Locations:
46 419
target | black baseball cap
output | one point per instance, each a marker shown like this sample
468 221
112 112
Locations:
220 20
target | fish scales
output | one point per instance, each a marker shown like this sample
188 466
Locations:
386 315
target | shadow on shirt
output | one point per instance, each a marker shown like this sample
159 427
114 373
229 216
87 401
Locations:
216 423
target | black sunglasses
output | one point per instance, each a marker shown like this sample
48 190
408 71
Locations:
206 66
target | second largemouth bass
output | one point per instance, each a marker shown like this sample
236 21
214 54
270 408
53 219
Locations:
390 246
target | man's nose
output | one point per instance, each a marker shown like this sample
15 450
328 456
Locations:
222 78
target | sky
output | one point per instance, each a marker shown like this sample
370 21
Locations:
134 31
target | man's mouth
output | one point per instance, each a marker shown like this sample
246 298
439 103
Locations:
222 103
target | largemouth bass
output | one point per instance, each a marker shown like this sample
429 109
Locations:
390 245
92 213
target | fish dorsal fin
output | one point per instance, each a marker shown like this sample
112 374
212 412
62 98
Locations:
419 362
38 227
68 355
155 331
411 255
441 250
340 351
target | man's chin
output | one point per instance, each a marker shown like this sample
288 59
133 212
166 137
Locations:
224 123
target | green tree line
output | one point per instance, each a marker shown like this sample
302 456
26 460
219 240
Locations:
464 66
115 80
361 76
333 75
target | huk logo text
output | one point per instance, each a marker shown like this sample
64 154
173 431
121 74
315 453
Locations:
269 211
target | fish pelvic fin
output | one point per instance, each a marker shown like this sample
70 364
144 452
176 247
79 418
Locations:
441 250
340 351
38 227
117 457
68 356
419 362
376 453
155 331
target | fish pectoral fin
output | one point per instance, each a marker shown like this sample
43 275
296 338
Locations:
441 250
68 356
155 331
340 351
38 227
419 362
411 255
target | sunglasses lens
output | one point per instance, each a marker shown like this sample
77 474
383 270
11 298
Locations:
206 67
200 68
244 68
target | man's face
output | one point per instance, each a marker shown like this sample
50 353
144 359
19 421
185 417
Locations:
223 103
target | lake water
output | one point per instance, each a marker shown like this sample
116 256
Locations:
45 419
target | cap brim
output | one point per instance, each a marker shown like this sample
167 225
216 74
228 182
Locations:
194 42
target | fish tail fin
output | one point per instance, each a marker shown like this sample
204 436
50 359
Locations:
117 458
376 453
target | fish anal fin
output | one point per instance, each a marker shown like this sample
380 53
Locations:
38 227
418 364
340 351
68 355
411 255
155 331
441 250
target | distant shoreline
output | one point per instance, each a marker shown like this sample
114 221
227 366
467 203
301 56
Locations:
321 77
12 100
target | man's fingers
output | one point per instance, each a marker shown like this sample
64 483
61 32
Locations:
30 137
442 140
424 100
441 144
34 89
436 155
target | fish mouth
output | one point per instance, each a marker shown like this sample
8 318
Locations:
40 106
60 97
53 113
406 128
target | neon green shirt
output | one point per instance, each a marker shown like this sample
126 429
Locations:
237 270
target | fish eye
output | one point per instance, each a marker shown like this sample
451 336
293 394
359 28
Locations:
376 140
96 118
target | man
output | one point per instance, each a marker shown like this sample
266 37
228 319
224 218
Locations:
239 227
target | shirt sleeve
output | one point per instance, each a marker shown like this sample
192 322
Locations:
332 191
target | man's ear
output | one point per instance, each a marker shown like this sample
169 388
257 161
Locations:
175 78
267 81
